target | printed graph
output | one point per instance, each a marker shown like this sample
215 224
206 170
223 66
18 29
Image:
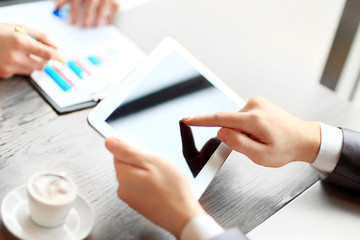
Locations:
66 76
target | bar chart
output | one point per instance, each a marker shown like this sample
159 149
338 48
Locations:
68 75
82 78
94 59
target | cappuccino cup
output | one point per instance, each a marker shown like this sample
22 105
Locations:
50 198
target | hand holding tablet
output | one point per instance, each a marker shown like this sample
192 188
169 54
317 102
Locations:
154 187
144 109
162 163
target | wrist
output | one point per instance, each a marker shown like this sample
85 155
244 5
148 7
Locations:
186 217
312 142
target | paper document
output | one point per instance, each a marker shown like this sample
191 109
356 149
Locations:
96 59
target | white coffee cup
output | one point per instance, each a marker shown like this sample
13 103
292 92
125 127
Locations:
50 196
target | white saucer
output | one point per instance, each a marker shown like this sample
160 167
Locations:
15 216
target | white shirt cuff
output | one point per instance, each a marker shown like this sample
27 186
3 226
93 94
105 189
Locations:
202 227
330 150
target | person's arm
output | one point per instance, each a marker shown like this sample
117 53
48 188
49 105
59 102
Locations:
330 149
22 54
91 12
338 158
272 137
160 191
347 171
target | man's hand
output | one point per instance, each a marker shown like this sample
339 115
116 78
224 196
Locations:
265 133
20 53
91 12
154 187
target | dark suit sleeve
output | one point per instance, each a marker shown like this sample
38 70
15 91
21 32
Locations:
232 234
347 171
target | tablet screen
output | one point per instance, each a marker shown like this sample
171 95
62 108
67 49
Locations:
150 116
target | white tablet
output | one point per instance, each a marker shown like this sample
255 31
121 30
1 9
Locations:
146 108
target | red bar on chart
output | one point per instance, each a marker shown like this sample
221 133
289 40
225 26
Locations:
57 78
63 75
82 67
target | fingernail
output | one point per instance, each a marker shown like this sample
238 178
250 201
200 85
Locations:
223 135
111 143
52 43
185 119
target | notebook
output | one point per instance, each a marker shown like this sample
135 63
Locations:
96 59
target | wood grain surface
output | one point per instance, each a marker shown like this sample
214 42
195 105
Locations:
35 138
228 39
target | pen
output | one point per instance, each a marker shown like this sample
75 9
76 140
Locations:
23 31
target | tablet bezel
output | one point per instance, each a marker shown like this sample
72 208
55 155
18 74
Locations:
97 117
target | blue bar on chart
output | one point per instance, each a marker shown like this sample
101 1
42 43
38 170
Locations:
57 78
95 60
76 69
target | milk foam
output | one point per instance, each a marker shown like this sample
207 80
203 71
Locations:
53 189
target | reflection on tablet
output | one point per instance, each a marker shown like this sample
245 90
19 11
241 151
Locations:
160 96
196 160
149 117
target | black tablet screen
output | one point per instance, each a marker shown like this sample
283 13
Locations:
150 116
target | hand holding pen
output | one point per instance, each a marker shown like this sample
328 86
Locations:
22 53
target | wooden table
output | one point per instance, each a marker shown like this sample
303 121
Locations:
229 38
